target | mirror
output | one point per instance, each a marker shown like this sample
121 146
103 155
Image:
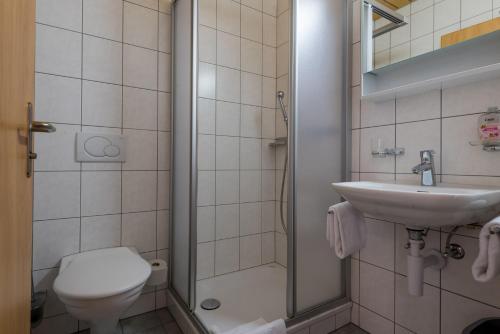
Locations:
397 30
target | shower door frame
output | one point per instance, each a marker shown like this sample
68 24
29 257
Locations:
291 289
291 302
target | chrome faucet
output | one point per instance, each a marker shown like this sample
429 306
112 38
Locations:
426 168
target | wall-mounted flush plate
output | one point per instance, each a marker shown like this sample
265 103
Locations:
99 147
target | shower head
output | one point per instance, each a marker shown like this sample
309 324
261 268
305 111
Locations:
281 95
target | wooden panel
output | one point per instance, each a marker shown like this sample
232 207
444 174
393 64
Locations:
470 32
17 43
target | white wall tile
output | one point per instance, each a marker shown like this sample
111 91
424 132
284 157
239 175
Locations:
141 150
269 92
153 4
268 129
228 16
251 56
419 107
164 150
206 223
207 45
228 119
268 189
206 152
446 13
369 137
379 249
164 68
227 187
56 195
164 111
356 107
250 251
227 255
103 18
164 36
251 89
56 151
101 193
420 314
140 26
163 192
250 218
139 67
283 29
250 153
269 61
206 260
421 23
208 13
58 51
355 138
377 113
101 232
228 50
227 221
139 230
53 239
139 108
251 24
269 29
356 21
257 4
206 188
206 116
250 183
60 13
282 53
422 45
251 120
227 153
101 104
471 8
471 98
356 65
268 248
268 213
355 280
57 99
228 84
139 191
102 60
377 290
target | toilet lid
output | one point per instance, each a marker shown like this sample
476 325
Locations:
101 273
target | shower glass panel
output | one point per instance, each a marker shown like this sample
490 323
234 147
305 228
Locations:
183 208
317 154
231 241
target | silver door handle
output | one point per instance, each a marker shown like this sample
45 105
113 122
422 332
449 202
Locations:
34 126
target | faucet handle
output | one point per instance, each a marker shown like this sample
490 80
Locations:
430 151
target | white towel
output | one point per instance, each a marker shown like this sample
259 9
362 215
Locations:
345 229
260 326
487 264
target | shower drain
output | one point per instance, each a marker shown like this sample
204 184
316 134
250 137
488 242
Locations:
210 304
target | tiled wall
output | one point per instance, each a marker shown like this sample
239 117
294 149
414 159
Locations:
102 66
428 21
237 110
445 121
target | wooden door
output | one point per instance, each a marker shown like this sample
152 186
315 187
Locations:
17 58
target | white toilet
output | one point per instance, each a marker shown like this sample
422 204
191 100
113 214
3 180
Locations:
99 286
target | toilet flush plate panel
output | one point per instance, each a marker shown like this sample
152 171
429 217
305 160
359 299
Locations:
100 147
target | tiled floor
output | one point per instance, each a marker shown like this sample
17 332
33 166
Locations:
156 322
350 329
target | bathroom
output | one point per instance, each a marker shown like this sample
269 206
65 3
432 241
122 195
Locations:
166 139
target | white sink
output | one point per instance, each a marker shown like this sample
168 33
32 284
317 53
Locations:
417 206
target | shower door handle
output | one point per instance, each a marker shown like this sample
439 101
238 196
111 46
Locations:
34 126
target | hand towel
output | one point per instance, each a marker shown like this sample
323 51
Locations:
345 229
487 264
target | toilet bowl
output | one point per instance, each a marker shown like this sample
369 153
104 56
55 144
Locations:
99 286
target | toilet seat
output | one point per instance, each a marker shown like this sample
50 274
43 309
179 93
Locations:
101 273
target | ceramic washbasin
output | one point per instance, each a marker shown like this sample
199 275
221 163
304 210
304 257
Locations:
418 206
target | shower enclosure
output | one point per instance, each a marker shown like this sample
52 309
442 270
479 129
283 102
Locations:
258 118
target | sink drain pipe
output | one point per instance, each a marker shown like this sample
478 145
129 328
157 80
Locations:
418 260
